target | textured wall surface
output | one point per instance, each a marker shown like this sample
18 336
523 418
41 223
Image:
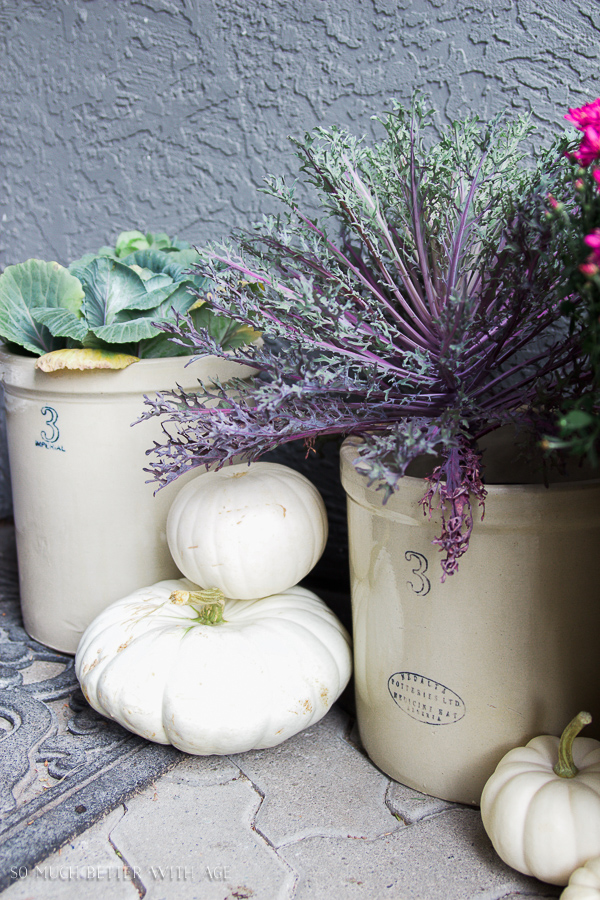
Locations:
166 114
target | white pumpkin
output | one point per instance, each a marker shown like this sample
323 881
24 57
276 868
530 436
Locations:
584 883
541 807
180 674
250 531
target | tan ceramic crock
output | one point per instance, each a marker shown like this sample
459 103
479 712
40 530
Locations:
451 676
89 528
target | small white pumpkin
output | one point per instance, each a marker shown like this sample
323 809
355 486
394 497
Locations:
250 531
541 807
584 883
178 665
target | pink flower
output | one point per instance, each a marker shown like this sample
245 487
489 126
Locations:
587 119
589 269
589 149
585 115
596 176
593 240
591 266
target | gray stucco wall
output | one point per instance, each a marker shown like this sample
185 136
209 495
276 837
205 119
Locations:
166 114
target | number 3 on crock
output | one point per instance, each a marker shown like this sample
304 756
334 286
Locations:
51 433
421 585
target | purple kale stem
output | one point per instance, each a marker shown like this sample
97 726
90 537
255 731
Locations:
416 220
255 276
516 393
341 256
434 275
368 243
500 360
419 340
504 375
425 315
367 330
456 251
365 356
380 363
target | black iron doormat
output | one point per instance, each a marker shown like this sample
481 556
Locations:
62 766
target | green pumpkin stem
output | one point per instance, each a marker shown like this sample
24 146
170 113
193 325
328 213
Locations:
208 603
565 767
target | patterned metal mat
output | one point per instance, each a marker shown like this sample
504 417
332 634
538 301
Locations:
62 766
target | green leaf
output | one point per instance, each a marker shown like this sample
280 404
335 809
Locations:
133 326
161 347
144 274
128 241
158 281
158 241
575 420
179 244
228 333
185 258
179 299
236 335
34 284
157 261
132 330
111 287
61 322
77 267
177 265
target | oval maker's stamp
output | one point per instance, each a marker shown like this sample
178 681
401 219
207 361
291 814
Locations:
425 700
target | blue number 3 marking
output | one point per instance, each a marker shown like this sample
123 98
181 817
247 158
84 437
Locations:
52 417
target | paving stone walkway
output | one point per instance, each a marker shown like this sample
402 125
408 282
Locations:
311 819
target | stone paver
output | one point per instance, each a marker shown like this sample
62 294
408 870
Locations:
539 892
316 783
199 770
86 868
312 819
191 838
447 857
411 805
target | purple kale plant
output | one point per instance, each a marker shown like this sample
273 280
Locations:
418 312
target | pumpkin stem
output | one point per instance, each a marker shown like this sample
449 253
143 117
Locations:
565 767
208 603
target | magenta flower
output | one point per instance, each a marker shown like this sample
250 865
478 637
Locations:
587 119
593 240
589 149
589 114
590 267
